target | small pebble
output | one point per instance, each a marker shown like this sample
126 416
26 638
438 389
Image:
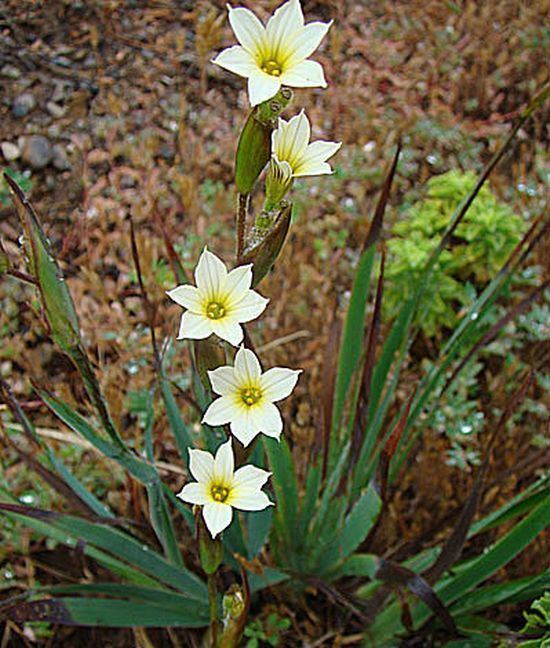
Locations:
37 151
55 110
10 71
10 151
23 105
60 158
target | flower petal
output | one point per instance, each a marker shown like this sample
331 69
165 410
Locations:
201 465
307 74
238 282
217 517
186 296
220 411
290 139
250 500
195 493
250 477
287 21
237 60
261 87
247 366
268 419
306 42
318 169
228 329
194 326
210 275
248 29
223 380
224 464
250 307
244 427
314 156
278 383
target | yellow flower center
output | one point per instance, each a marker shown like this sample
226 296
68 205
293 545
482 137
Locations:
272 67
219 493
250 396
215 310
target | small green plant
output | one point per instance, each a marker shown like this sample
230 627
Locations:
537 622
459 416
482 242
266 632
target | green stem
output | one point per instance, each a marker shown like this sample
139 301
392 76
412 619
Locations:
213 598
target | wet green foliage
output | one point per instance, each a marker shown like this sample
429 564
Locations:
484 239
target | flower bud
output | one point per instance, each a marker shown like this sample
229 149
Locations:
209 354
254 148
277 183
234 615
266 240
210 551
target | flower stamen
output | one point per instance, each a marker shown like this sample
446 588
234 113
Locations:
272 68
215 310
219 493
250 396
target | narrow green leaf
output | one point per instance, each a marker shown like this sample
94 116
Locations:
268 578
179 429
56 299
121 545
355 529
137 467
358 565
284 480
122 569
353 333
484 598
112 613
257 527
162 523
470 574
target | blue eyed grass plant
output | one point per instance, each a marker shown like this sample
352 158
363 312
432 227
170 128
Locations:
319 533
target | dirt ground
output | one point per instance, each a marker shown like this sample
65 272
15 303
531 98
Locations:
116 112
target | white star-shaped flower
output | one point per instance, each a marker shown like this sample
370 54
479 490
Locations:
219 488
220 302
247 397
292 150
275 55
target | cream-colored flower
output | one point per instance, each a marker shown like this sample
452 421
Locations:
275 55
247 397
219 488
219 303
290 146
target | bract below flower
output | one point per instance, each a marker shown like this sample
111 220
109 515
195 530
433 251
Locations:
290 144
274 55
219 488
247 397
220 302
